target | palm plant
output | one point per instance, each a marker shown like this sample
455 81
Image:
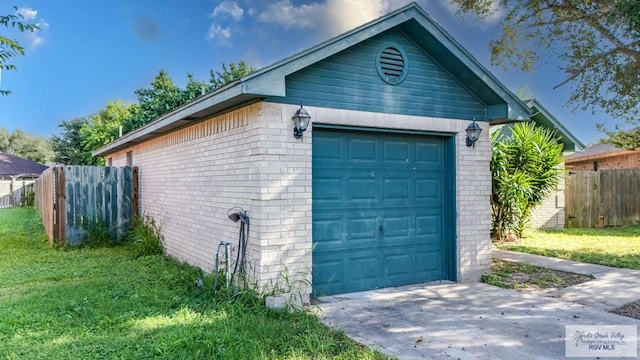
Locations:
525 167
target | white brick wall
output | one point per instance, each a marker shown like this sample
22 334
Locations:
248 157
550 213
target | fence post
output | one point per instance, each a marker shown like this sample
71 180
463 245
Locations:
61 208
135 200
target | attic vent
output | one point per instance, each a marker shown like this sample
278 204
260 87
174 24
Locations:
391 62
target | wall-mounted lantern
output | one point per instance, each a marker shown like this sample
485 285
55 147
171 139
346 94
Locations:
473 133
301 121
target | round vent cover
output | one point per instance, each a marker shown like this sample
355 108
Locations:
391 63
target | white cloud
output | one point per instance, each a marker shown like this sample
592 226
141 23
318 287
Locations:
27 13
331 16
33 38
228 8
288 15
219 34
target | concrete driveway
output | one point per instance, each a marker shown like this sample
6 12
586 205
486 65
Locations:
460 321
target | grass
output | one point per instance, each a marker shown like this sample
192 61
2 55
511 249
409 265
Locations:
521 276
616 247
103 302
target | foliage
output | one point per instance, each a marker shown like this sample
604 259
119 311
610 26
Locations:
597 41
98 233
161 98
617 247
25 145
103 127
524 169
68 147
164 96
624 139
11 48
145 237
101 303
229 75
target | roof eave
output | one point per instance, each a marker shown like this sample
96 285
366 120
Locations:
194 111
579 145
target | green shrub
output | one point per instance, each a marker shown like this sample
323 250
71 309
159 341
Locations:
525 168
145 237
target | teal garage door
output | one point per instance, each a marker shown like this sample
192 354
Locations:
383 209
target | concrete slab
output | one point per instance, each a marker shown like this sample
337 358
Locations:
460 321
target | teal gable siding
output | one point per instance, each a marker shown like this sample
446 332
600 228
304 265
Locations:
349 80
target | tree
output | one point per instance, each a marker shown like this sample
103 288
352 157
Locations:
164 96
104 126
25 145
161 98
11 48
524 170
68 146
598 42
228 75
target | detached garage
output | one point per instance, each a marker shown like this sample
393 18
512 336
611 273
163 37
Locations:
384 189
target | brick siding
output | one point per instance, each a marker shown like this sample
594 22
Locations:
248 157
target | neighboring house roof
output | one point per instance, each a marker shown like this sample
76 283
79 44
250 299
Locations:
502 105
11 165
598 151
541 116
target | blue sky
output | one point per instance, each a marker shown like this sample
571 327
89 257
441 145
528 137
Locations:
91 52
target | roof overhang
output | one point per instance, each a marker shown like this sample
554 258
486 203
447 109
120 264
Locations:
545 118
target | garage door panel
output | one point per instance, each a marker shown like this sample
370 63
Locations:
397 190
396 226
428 153
327 232
428 190
330 271
428 262
396 152
363 150
327 149
398 269
363 270
361 189
362 231
380 219
328 189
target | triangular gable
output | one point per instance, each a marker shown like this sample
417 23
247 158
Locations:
501 104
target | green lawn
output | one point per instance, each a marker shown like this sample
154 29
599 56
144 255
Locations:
103 303
617 247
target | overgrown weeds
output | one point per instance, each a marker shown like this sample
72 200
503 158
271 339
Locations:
145 238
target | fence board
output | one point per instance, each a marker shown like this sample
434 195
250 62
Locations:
45 200
602 198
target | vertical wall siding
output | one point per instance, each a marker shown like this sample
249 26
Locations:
349 80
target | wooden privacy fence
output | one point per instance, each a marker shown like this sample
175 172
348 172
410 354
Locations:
15 192
69 198
602 198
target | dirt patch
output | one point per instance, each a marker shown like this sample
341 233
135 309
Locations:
531 279
631 310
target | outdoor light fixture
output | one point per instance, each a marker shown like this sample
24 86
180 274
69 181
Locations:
473 133
300 122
